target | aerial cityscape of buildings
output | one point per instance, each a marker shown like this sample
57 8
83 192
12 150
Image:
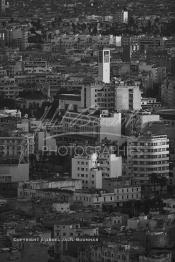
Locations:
87 131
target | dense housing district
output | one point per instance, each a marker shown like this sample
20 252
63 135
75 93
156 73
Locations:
87 131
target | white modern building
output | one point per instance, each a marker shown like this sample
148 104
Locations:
110 165
92 168
110 126
98 95
85 168
104 65
148 155
121 16
127 96
45 142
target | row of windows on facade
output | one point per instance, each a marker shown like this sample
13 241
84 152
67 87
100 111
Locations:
140 150
5 147
151 156
151 162
5 178
151 169
95 162
104 95
143 175
127 190
149 144
103 102
83 175
108 254
106 199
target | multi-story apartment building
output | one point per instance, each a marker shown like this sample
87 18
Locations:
86 169
120 195
36 66
98 95
150 103
17 37
104 96
70 102
121 17
73 230
9 88
49 82
14 159
110 165
168 93
3 72
4 4
148 155
146 42
125 193
107 252
127 96
7 123
92 168
157 73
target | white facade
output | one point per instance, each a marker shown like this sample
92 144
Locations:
148 155
45 142
110 165
120 195
127 193
125 17
85 169
110 126
127 97
104 65
91 169
121 17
